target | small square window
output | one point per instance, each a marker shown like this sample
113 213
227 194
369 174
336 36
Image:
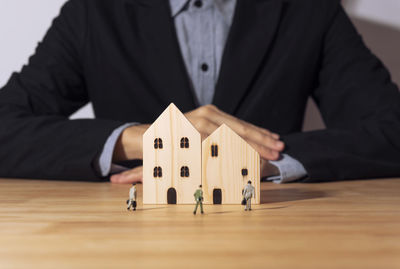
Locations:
245 172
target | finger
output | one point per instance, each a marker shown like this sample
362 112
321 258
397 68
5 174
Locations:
267 132
264 140
204 126
130 176
126 178
245 129
276 136
207 118
265 152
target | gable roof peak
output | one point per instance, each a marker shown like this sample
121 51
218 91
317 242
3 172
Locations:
170 110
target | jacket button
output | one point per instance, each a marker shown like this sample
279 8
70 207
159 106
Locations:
198 3
204 67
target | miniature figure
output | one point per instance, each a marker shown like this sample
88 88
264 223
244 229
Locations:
132 198
248 193
198 196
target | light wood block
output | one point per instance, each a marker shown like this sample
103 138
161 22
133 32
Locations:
171 126
221 176
224 171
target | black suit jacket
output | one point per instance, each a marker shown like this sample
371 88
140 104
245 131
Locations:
123 56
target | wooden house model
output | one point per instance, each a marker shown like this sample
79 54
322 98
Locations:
171 159
228 163
176 162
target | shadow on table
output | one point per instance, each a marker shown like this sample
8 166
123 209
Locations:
285 195
254 209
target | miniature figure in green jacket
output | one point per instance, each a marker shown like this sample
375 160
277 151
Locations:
198 197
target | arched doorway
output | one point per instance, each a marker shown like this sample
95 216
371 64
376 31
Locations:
217 196
171 196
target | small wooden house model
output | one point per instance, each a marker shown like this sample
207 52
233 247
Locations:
228 163
176 162
171 159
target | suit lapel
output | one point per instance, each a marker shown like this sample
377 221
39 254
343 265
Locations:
252 32
162 60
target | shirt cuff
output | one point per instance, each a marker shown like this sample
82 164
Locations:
290 170
103 164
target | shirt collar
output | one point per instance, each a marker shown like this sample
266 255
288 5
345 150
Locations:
177 6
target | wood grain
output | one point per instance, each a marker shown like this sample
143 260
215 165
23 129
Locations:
225 171
171 126
53 224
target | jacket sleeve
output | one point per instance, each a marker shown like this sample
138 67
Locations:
361 109
37 139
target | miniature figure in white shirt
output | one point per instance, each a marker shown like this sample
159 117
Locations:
132 198
248 193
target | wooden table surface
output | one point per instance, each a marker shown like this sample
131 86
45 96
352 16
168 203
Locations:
53 224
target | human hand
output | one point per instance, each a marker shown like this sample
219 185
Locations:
129 145
134 175
207 119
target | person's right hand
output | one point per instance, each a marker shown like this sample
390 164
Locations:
129 145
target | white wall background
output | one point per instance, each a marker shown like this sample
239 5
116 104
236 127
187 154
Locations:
383 11
24 22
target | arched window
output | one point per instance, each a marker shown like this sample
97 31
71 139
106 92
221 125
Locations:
184 142
157 172
214 150
158 144
185 171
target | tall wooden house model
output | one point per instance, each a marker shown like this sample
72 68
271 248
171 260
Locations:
171 159
176 162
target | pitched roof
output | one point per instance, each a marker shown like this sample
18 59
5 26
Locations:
167 114
223 130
